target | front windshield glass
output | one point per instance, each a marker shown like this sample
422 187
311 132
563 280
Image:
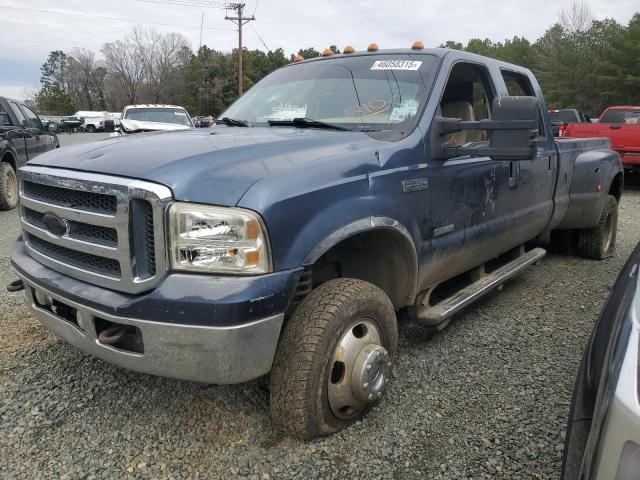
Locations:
177 116
372 92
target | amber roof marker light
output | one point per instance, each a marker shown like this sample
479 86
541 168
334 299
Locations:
372 48
327 52
298 58
417 45
348 49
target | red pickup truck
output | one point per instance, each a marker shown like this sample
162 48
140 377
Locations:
621 125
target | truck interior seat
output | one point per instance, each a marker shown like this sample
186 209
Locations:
464 111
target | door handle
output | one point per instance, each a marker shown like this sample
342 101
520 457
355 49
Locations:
615 127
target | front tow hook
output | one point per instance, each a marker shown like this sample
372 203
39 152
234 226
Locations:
111 335
15 286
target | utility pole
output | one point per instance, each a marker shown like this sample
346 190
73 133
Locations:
201 25
240 21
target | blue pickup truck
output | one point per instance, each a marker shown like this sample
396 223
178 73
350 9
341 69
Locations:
336 193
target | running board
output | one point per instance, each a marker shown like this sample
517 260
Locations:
438 314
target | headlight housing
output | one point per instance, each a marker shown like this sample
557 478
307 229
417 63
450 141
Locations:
217 240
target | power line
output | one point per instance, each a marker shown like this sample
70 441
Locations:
258 35
56 12
256 8
187 3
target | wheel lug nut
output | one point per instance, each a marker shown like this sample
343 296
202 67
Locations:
365 385
371 396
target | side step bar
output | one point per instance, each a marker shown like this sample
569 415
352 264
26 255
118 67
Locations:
438 315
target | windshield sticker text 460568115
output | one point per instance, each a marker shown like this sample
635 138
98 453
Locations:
396 65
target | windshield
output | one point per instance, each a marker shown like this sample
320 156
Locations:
373 92
177 116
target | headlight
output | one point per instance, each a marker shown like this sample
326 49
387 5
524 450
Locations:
217 239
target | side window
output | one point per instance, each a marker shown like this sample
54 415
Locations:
22 121
5 119
519 85
627 117
32 118
467 95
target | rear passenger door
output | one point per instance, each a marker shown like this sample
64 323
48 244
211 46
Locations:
535 178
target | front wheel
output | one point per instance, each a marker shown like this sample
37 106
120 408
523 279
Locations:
8 187
334 357
91 129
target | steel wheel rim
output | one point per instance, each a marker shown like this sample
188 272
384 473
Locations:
608 232
10 185
359 370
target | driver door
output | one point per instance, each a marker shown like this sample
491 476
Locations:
471 198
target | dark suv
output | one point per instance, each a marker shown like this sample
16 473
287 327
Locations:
22 137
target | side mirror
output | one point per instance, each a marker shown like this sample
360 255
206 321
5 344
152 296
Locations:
512 130
52 127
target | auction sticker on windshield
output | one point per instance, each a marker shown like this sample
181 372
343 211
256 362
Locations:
396 65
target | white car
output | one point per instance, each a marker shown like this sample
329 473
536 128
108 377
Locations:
150 118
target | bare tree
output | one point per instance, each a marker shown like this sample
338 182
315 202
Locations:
577 17
123 60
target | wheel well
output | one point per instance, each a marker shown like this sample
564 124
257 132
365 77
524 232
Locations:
616 186
382 257
9 158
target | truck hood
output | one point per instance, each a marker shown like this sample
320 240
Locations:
132 126
215 165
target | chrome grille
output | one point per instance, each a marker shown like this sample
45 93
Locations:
114 226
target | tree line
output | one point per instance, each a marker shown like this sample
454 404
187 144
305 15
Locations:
580 63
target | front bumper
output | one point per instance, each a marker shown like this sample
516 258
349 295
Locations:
191 327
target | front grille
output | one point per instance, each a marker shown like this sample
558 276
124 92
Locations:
93 263
81 231
93 202
114 226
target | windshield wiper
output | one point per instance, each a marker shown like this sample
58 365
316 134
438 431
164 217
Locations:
307 122
232 122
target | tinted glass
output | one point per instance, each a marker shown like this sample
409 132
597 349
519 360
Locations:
564 116
19 115
177 116
627 117
5 119
381 92
32 118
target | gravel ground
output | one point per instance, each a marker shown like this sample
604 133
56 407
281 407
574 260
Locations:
488 397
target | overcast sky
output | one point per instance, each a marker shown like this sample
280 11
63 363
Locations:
32 28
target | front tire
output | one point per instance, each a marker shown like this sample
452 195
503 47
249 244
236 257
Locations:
334 358
8 187
599 242
91 129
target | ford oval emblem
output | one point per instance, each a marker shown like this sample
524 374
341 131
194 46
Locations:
55 225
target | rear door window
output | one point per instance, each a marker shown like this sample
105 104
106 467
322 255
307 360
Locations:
519 85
